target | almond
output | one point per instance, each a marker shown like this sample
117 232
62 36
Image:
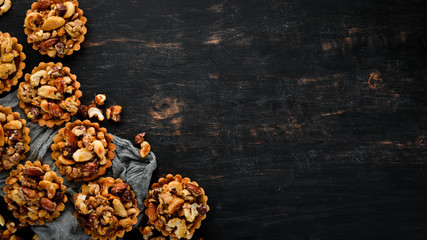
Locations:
55 109
53 23
70 137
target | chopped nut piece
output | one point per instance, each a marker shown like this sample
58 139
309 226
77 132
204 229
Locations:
83 112
139 138
113 113
145 149
100 99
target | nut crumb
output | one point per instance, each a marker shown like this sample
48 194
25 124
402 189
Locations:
100 99
113 113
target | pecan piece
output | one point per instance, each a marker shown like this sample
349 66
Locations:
126 196
33 113
49 43
47 204
60 47
43 5
92 220
193 189
58 196
90 167
15 135
29 193
83 111
119 188
60 83
33 172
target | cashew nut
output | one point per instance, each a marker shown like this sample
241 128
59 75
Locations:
95 112
78 130
49 187
31 18
70 9
7 4
106 185
35 78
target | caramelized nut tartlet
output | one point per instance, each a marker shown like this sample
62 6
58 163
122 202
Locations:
106 208
14 138
55 27
34 193
11 62
50 94
176 206
82 150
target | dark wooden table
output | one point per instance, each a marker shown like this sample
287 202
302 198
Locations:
301 119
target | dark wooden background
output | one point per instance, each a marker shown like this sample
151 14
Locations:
267 105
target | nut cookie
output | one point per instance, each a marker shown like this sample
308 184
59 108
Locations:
106 208
11 62
14 138
176 206
34 193
82 150
55 27
50 94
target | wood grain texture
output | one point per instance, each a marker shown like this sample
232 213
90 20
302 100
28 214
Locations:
301 119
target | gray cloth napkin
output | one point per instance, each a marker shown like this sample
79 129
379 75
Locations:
127 165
